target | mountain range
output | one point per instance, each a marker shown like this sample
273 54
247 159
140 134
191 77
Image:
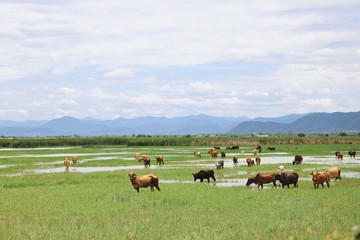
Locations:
194 124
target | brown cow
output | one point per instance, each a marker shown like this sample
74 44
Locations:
160 160
67 163
287 179
150 180
137 156
339 155
249 161
147 162
320 178
197 154
223 155
235 160
74 159
334 172
213 153
257 160
297 160
255 152
261 178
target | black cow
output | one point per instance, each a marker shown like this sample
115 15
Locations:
287 179
220 165
204 174
352 153
297 160
234 148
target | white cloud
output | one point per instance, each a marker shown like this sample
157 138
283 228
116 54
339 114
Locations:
119 73
319 102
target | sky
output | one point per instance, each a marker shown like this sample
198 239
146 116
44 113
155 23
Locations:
125 59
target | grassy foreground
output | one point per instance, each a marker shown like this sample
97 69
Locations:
103 205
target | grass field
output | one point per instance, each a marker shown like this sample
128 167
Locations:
95 199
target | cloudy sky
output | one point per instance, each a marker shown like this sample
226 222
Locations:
115 58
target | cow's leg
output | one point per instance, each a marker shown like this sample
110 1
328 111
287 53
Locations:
208 180
214 178
201 180
157 187
152 188
137 189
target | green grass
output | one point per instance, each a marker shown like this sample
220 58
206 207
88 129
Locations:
103 205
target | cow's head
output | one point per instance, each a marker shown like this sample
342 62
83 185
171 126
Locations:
250 181
195 175
314 175
132 175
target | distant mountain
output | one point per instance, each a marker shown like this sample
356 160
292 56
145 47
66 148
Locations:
310 123
284 119
194 124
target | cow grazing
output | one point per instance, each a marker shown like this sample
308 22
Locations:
197 154
319 178
249 161
258 160
297 160
160 160
74 159
334 172
213 153
339 155
352 153
220 165
287 178
204 174
271 148
223 155
234 148
217 148
227 148
262 178
235 160
255 152
150 180
67 163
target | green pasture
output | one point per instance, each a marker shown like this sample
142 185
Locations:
76 204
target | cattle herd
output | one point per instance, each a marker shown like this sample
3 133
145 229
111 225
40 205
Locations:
279 178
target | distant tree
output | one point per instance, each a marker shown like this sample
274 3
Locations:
301 134
343 134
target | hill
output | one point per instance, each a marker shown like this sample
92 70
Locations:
194 124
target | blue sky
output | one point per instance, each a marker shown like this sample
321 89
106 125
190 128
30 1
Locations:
110 59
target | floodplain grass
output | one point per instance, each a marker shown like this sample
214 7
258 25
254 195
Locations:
103 205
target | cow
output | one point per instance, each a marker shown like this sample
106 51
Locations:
259 148
249 161
352 153
336 154
320 178
297 160
235 160
334 172
287 178
217 147
160 160
66 163
257 160
197 154
261 178
281 169
271 148
147 162
204 174
74 159
255 152
223 155
234 148
213 153
220 165
227 148
143 158
150 180
137 156
340 156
